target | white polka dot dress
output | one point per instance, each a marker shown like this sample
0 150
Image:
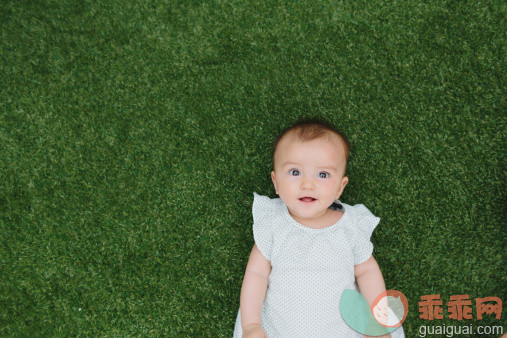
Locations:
310 268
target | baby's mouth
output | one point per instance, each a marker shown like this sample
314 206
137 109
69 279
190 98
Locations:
307 199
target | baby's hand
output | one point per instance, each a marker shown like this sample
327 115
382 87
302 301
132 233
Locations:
254 331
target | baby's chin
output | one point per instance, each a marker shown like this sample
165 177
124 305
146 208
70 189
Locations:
307 215
298 215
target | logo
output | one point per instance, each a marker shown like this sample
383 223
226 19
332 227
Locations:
385 315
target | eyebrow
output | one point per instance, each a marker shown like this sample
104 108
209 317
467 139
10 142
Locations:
295 163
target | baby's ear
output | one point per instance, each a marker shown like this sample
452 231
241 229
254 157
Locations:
273 178
345 180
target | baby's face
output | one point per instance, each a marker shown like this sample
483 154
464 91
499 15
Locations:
308 177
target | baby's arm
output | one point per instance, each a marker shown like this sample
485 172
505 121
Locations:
253 291
370 281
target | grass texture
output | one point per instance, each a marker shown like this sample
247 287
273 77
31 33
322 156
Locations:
133 134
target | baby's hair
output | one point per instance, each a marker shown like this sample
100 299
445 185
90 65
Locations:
310 129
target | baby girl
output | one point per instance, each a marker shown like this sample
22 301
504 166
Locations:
309 247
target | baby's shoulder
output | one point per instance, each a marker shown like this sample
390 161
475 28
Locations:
357 211
266 209
267 216
359 219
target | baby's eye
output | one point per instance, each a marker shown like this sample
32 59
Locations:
294 172
323 175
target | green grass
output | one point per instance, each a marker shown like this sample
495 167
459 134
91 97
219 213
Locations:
133 134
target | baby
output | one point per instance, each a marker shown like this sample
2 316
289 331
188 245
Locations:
309 246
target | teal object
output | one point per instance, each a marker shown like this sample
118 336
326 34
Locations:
356 313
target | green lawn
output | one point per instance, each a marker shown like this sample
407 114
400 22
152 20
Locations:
134 133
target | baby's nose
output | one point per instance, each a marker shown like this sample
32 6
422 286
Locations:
307 184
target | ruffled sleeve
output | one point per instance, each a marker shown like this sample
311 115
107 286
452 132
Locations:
362 228
264 210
